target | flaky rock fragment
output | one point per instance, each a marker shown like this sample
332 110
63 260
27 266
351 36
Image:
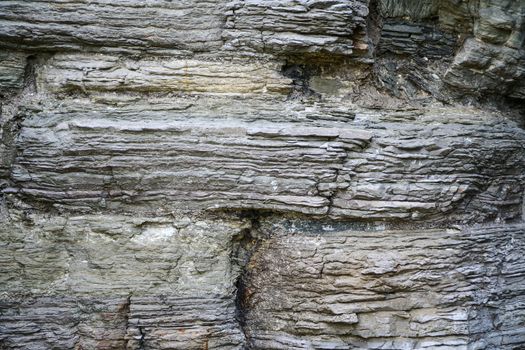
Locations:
295 27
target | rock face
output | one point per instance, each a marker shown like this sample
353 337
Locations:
340 287
297 27
344 174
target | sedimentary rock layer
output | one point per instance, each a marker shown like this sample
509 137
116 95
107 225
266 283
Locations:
114 282
315 286
102 73
381 165
122 25
292 27
12 69
310 284
295 174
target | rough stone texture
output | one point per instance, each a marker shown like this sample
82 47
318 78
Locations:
317 286
12 68
297 27
380 165
100 73
491 38
108 25
113 282
493 60
310 174
485 67
415 39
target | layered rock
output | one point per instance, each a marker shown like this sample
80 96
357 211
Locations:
297 27
343 174
103 25
322 286
104 73
114 282
12 69
380 165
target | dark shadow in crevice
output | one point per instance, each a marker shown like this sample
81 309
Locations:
300 75
245 245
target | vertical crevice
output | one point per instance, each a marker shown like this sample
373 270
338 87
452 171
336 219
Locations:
241 309
245 245
523 206
142 341
374 27
125 310
30 74
11 119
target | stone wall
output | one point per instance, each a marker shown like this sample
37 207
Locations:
259 174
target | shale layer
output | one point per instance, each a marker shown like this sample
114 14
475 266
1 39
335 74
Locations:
345 174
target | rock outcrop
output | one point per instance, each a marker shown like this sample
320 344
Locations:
345 174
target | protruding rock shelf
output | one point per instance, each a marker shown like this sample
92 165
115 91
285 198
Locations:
141 157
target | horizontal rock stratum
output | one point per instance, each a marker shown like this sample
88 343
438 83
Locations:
258 174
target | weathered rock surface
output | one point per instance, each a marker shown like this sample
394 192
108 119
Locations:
113 282
103 73
108 25
297 27
491 38
345 174
488 67
12 69
380 165
314 286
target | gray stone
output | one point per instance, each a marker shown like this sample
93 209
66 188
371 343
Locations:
297 27
408 289
107 25
297 174
12 68
109 282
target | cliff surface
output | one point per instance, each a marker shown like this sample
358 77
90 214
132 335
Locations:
259 174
